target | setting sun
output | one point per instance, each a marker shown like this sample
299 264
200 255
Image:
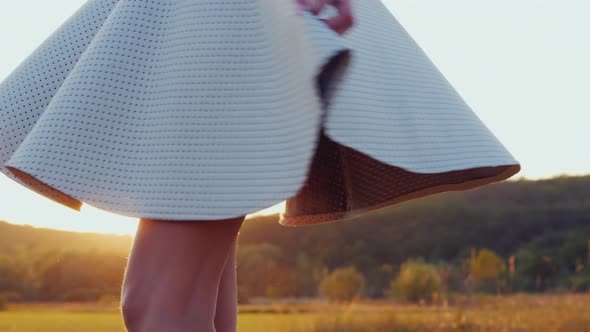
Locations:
273 209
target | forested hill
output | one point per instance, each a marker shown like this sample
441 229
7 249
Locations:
545 225
504 217
39 240
547 216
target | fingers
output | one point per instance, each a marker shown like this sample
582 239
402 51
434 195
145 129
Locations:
339 23
318 5
300 6
301 3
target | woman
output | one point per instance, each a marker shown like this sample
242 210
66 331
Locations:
182 276
191 114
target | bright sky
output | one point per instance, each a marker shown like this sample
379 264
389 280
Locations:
522 65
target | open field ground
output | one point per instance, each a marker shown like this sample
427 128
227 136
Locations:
513 313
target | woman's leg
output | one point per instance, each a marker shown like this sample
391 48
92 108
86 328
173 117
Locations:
174 273
226 313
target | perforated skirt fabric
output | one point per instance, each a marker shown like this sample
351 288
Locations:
202 110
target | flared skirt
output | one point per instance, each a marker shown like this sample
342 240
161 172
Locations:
201 110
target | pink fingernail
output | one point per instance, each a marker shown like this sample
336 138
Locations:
299 8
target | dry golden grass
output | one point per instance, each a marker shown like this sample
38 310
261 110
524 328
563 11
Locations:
519 313
559 313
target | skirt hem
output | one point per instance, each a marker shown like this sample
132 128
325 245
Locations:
321 218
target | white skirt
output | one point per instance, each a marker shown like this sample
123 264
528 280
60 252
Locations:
200 110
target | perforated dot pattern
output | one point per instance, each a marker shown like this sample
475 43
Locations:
198 109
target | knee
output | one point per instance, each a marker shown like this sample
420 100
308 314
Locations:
144 313
140 314
133 312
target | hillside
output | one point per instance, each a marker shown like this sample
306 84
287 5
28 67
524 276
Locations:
42 239
544 224
503 216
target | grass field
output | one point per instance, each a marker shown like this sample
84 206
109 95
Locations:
555 313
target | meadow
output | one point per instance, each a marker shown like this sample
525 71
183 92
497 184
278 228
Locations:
539 313
527 238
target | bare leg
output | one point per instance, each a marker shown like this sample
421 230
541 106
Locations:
226 313
174 272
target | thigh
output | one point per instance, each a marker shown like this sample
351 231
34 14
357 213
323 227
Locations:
166 241
175 266
166 247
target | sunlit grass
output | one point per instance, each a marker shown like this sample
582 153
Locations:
521 313
53 321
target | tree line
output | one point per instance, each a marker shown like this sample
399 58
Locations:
512 236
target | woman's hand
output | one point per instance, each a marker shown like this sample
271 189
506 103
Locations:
339 23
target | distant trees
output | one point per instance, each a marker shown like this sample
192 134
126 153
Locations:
487 270
262 272
378 279
3 303
65 276
417 281
11 277
544 225
87 276
343 284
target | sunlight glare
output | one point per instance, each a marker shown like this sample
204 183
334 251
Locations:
275 209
